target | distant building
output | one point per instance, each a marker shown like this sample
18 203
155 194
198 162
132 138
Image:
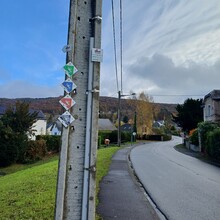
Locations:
106 125
54 128
40 125
126 128
211 106
158 124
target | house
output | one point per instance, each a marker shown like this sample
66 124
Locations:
126 128
2 111
158 124
105 124
211 106
39 127
54 128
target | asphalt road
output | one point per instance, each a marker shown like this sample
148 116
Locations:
183 187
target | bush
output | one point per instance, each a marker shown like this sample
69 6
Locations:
204 128
102 136
8 146
194 138
113 137
213 143
36 150
157 137
166 137
53 142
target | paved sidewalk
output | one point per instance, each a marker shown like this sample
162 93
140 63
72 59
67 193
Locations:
121 196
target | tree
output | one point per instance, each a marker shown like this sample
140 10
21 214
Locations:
16 125
189 114
8 149
144 110
125 119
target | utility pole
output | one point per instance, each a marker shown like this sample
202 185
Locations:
75 198
119 118
119 115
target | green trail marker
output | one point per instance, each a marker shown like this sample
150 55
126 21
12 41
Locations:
70 69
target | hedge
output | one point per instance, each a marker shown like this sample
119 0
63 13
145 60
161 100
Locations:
53 142
213 143
113 137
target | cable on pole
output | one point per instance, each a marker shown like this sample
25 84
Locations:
121 45
115 51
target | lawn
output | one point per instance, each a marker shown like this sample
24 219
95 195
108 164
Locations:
28 192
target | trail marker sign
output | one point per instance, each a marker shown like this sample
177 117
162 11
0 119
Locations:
67 102
67 48
70 69
66 119
68 85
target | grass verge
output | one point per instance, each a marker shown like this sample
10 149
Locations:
28 191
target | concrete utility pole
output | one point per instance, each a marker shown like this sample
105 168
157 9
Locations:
119 118
75 198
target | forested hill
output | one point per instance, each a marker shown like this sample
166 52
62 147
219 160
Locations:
51 106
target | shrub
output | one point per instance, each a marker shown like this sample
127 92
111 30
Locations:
8 147
213 143
103 135
204 128
166 137
194 138
113 137
53 142
36 150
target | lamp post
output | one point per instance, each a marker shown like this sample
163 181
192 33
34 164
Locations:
119 115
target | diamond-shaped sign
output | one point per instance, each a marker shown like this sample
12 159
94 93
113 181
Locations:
66 119
67 102
68 85
70 69
67 48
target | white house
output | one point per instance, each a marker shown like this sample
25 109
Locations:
54 128
39 127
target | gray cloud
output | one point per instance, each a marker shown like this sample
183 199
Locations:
170 47
159 75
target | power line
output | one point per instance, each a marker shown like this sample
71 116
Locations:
175 95
121 45
115 52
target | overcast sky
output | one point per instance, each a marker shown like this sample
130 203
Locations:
171 48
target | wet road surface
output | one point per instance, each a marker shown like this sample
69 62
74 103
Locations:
182 186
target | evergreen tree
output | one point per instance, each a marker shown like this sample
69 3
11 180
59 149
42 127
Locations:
16 125
189 114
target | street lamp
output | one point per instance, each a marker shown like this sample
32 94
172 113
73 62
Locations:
119 114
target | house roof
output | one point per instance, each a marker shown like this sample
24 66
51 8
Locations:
214 94
126 127
106 125
2 110
40 114
56 124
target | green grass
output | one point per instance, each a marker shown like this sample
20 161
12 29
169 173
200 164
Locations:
17 167
28 191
